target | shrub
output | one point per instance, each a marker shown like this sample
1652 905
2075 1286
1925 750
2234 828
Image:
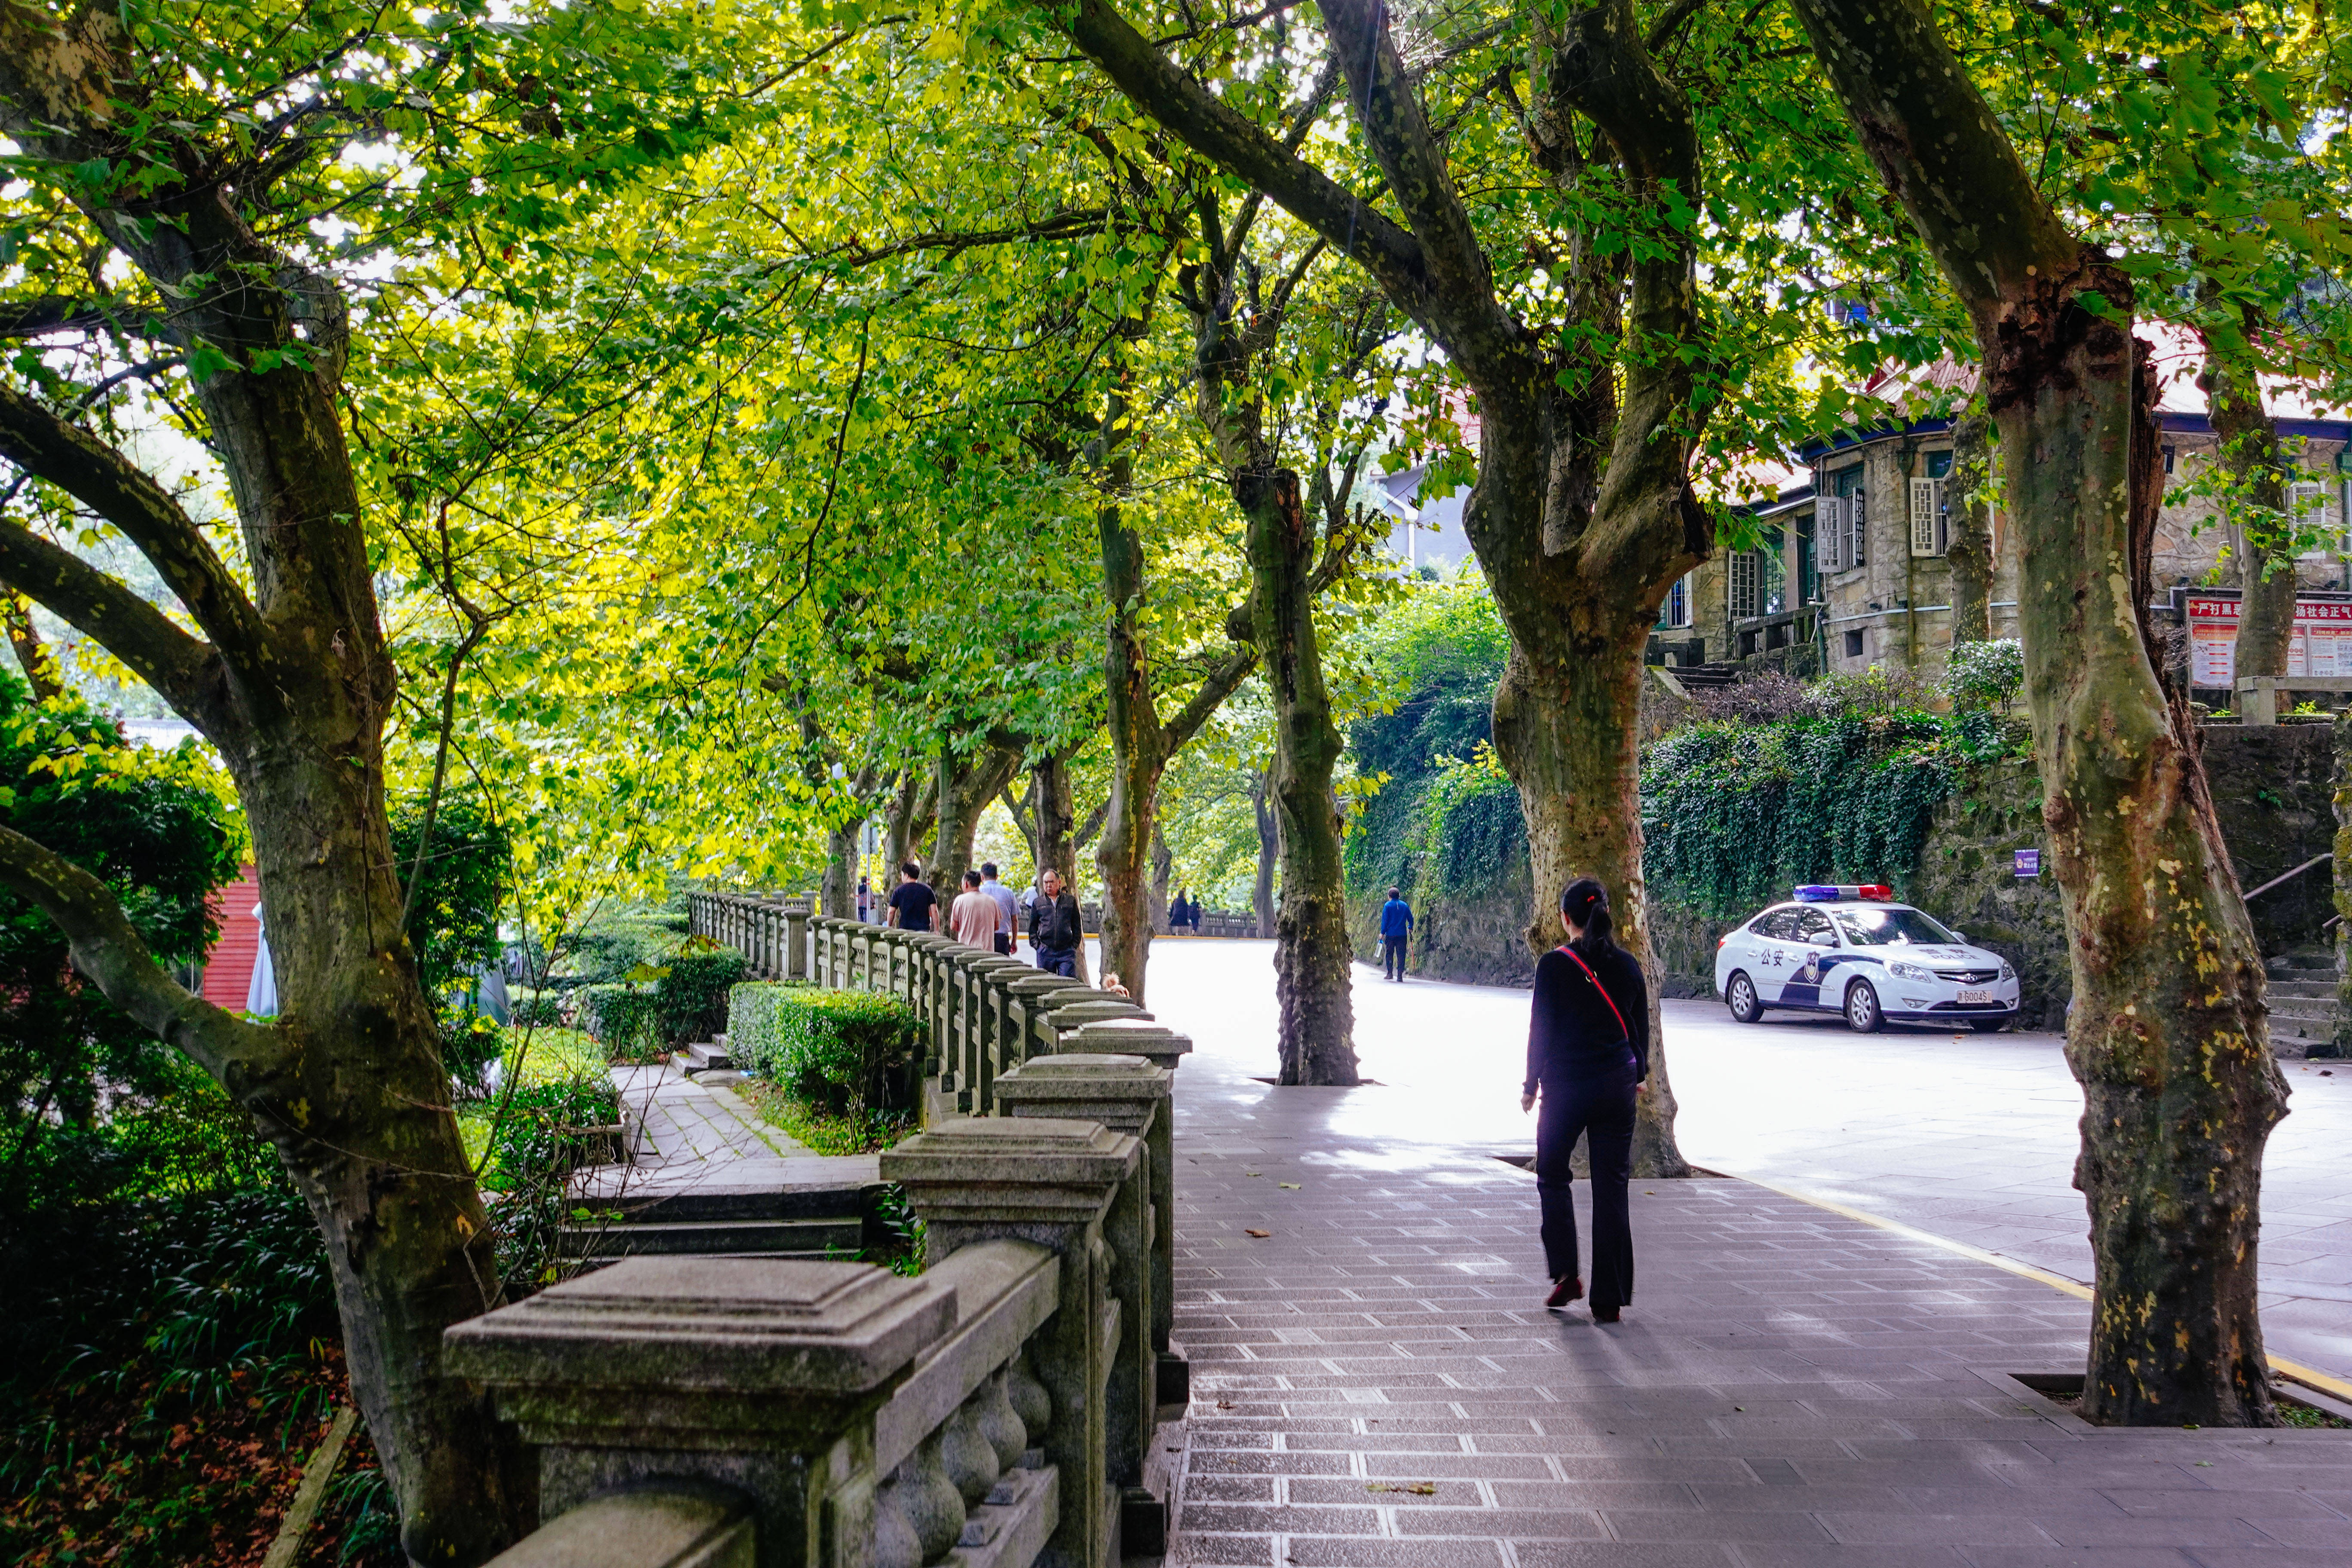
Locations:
691 999
1762 698
1880 691
848 1051
1984 676
538 1009
613 947
625 1016
535 1145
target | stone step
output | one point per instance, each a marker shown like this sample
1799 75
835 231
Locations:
2303 1015
813 1186
2315 990
753 1238
705 1056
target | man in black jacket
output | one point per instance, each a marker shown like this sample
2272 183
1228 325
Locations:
1056 928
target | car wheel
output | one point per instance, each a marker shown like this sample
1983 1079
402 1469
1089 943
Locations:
1742 995
1987 1026
1861 1014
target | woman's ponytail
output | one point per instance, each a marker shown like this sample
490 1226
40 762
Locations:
1586 904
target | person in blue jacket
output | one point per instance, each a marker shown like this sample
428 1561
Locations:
1396 930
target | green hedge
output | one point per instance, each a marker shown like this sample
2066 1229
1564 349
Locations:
846 1050
539 1009
624 1017
692 997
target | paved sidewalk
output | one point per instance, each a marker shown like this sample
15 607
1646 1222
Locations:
1375 1381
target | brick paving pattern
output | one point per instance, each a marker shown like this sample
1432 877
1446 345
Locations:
1375 1383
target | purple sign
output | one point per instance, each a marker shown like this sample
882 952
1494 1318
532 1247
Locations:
2029 862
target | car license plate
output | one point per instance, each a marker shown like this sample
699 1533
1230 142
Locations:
1975 998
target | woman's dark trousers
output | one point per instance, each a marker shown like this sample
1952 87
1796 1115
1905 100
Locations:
1598 1108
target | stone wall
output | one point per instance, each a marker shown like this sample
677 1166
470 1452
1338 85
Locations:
2272 790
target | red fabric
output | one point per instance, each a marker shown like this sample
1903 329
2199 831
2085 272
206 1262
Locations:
228 972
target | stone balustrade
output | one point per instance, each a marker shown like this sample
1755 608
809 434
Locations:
769 930
758 1412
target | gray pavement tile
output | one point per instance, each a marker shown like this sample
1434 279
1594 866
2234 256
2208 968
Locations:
2173 1502
1277 1518
1871 1529
2271 1557
1386 1492
1478 1467
2323 1534
1540 1524
1328 1551
1194 1551
2151 1556
1263 1462
1619 1555
1756 1554
1720 1527
2174 1531
1200 1487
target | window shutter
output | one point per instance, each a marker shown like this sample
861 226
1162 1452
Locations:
1923 516
1827 534
1943 515
2306 504
1857 522
1743 583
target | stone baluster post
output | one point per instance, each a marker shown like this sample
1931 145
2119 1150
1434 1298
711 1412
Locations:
1054 1182
986 979
756 1378
1165 1048
1092 1007
796 916
1126 1094
1027 997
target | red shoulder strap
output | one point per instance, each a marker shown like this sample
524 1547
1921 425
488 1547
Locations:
1579 959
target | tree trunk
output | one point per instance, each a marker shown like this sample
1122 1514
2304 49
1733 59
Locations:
1139 750
1056 820
954 842
2168 1034
838 895
2249 442
1969 549
1163 871
1564 728
905 828
33 655
1314 962
1269 846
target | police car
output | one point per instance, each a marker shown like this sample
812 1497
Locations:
1856 950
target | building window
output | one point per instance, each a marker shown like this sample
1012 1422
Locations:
1939 463
1676 612
1930 529
1746 569
1853 645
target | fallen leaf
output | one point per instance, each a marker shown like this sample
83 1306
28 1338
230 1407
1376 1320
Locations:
1260 1235
1222 1404
1292 1185
1252 1173
1418 1488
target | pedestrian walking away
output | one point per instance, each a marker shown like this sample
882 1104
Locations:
912 902
864 900
1587 1057
1055 926
1396 933
1007 906
973 918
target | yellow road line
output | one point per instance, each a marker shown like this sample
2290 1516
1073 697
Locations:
2295 1370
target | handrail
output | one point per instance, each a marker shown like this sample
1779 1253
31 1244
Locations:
2298 871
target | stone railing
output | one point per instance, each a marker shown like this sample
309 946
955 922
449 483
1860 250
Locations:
771 929
994 1412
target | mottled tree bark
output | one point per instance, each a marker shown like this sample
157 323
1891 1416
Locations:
2168 1035
33 655
1057 848
2249 441
1314 962
1269 848
966 784
1582 515
1163 871
292 682
1969 548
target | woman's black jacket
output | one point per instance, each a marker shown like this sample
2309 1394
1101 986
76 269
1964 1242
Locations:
1571 1032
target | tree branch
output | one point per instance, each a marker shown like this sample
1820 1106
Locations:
1218 133
107 949
188 673
91 471
1215 687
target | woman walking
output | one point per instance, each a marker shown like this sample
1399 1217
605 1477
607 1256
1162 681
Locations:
1588 1053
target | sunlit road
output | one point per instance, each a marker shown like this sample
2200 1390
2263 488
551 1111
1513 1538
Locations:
1970 1138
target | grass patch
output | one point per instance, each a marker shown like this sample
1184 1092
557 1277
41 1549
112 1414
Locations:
2296 1415
823 1131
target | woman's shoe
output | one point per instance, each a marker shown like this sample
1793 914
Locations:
1604 1314
1563 1291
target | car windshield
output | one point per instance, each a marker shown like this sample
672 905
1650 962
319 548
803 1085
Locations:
1890 923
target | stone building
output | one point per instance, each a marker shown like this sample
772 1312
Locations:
1849 571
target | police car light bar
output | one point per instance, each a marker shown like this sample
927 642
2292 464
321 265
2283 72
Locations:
1876 891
